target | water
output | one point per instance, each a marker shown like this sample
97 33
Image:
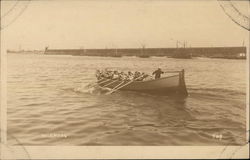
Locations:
50 102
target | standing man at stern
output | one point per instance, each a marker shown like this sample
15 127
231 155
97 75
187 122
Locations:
158 73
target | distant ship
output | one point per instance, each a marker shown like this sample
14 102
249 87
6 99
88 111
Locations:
116 54
143 53
181 52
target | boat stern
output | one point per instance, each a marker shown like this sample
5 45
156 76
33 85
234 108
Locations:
182 85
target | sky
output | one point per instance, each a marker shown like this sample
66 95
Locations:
118 24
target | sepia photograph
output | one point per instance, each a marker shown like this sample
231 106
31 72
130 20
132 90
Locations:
125 73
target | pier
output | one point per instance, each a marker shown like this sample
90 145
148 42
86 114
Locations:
211 52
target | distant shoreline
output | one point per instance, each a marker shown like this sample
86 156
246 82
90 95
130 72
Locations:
182 53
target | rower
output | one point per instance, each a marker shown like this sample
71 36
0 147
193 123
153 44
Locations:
115 75
123 76
130 76
144 76
98 74
158 73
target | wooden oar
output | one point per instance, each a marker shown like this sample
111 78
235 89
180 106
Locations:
117 85
117 88
99 80
104 81
110 83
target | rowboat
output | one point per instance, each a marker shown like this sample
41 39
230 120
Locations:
170 85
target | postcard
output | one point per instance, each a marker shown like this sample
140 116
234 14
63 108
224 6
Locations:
124 79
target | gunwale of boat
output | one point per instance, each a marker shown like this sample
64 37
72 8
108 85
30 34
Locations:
150 80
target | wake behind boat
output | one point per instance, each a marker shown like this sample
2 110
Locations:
169 85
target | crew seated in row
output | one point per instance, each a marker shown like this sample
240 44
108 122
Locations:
116 75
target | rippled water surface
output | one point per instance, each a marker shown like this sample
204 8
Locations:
50 102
